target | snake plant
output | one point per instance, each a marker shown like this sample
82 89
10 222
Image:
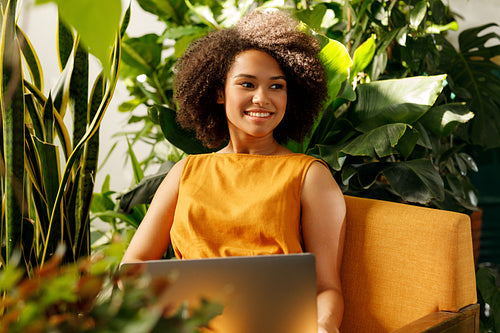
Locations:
48 171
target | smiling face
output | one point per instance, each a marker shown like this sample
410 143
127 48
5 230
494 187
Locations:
255 95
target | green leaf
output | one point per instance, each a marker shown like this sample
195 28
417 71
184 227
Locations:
407 142
490 293
93 127
34 67
438 10
99 33
116 215
417 14
48 120
78 93
144 191
179 137
136 166
394 101
443 119
48 155
102 202
36 120
204 13
313 17
475 70
182 43
332 155
142 54
416 181
166 10
337 62
330 130
125 20
186 30
362 57
65 41
462 191
13 129
365 174
437 29
379 142
59 92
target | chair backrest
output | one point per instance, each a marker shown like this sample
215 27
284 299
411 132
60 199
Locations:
402 262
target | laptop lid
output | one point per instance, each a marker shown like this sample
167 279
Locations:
272 293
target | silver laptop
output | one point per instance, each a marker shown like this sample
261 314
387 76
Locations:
260 294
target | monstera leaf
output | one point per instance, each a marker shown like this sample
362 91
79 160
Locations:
474 75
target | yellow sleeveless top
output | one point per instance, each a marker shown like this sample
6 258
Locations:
239 205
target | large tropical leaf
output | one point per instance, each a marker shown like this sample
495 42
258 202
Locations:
144 191
362 57
475 75
331 154
380 142
416 181
99 33
394 101
337 62
443 119
176 135
172 10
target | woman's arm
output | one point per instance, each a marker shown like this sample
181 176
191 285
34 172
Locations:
323 230
152 238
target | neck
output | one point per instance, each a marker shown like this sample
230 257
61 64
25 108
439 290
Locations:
256 147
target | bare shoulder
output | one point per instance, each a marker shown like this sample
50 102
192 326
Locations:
320 186
170 184
173 177
318 174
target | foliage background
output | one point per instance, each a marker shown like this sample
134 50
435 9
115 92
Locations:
123 175
37 21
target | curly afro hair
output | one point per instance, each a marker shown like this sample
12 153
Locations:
201 74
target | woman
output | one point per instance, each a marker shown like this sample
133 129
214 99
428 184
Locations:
251 88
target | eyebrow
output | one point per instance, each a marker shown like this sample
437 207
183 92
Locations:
279 77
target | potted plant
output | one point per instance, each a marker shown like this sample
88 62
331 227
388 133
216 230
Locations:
45 206
84 296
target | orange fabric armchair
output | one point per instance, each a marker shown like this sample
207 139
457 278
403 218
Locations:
407 269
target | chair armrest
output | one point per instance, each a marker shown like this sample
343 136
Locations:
464 321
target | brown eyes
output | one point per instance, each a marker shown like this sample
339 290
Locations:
276 86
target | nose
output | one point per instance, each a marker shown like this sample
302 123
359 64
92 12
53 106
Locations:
260 97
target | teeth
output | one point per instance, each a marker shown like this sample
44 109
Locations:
259 114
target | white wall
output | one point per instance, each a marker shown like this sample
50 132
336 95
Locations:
475 13
40 25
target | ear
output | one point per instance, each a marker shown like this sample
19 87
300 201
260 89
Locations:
220 97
